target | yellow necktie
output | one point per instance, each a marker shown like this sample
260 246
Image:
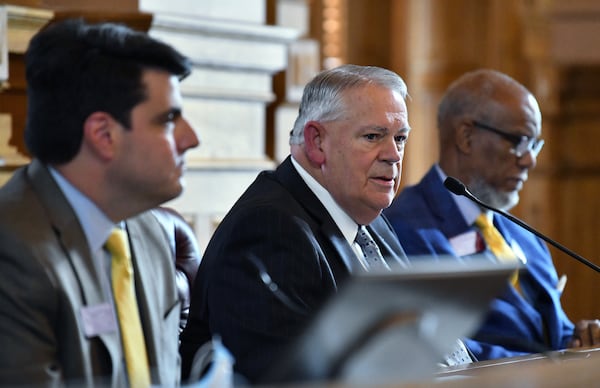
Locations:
497 245
132 335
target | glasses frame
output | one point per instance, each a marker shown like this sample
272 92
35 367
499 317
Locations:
521 144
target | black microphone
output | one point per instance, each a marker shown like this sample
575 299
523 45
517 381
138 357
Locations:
458 188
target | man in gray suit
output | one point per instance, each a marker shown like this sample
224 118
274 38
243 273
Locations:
108 139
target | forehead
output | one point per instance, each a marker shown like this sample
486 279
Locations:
375 102
161 87
520 112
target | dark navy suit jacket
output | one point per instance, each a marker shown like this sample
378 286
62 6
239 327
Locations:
425 216
278 228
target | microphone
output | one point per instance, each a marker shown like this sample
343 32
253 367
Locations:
458 188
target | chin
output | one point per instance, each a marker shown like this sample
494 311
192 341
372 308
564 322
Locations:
172 194
379 206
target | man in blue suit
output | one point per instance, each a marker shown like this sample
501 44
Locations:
489 132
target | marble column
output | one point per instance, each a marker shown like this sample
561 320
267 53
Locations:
235 56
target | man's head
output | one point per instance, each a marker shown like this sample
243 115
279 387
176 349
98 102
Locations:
105 109
74 69
489 127
350 135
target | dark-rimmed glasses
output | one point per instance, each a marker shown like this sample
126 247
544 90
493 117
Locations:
521 144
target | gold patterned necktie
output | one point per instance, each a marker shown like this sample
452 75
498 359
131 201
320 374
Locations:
497 245
132 335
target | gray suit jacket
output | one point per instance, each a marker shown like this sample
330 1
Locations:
47 277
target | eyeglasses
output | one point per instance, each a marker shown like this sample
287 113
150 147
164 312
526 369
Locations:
521 144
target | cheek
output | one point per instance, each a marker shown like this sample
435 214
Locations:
489 158
163 146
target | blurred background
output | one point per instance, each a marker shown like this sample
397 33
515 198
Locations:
253 57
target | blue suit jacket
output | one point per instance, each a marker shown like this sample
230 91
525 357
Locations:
425 216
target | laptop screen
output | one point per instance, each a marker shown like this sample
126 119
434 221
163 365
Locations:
394 326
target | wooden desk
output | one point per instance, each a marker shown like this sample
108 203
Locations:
571 368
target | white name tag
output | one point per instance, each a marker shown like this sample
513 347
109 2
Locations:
466 243
98 319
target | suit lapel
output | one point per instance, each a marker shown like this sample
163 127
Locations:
73 243
290 178
150 256
68 232
388 243
288 175
443 207
143 288
340 244
382 232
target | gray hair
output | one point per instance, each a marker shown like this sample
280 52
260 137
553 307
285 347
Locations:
323 97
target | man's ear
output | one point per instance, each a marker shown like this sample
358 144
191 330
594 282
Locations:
463 136
313 142
99 134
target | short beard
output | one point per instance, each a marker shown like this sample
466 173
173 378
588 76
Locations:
490 196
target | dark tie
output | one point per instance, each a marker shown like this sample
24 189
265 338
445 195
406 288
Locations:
132 335
370 250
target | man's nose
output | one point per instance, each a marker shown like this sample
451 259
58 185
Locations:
187 137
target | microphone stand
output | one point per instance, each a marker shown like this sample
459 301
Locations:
458 188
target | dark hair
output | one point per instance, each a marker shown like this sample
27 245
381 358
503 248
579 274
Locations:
74 69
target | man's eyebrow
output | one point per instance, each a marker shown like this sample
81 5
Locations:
386 129
378 128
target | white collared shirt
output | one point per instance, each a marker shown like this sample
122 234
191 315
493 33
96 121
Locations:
469 210
344 222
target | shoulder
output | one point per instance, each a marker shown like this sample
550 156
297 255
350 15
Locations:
282 233
411 209
16 194
264 222
149 238
23 216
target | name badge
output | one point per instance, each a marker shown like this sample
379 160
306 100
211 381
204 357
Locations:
467 243
98 319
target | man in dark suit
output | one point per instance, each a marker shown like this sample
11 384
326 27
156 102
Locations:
289 241
489 131
106 132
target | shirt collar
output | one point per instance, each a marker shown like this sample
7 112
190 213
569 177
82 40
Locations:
469 210
95 224
343 221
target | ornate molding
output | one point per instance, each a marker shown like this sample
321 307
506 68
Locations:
226 44
22 24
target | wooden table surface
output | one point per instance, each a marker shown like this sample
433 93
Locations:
570 368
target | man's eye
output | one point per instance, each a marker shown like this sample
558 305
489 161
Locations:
401 139
372 136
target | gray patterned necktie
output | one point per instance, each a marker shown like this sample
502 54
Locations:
370 250
459 356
